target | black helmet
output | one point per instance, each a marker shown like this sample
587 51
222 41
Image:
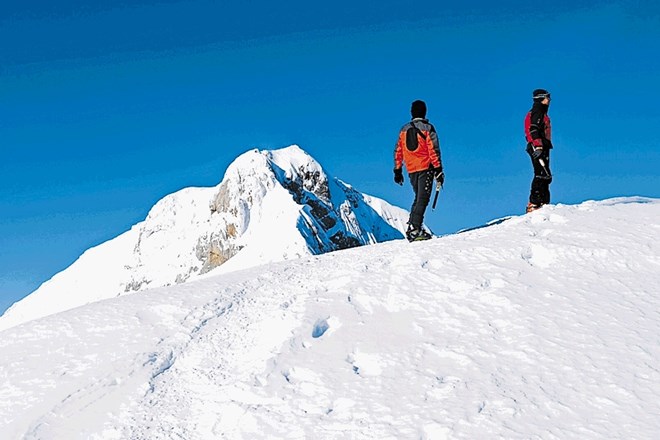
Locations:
540 94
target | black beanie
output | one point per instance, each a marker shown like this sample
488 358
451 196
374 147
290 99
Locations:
418 109
540 94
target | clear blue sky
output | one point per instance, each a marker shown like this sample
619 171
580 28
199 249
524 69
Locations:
109 106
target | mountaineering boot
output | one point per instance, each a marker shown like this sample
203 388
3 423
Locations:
531 207
417 234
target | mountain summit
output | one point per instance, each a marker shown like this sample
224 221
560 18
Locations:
544 326
270 206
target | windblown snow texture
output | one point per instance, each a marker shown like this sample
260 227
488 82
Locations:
542 326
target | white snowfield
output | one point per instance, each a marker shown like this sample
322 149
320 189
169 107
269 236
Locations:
546 326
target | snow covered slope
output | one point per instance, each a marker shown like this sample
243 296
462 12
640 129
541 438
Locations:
271 206
544 326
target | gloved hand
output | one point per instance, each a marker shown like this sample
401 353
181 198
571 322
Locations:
439 175
537 152
398 176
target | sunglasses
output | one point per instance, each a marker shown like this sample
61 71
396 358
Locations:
543 96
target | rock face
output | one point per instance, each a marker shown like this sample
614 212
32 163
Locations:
270 206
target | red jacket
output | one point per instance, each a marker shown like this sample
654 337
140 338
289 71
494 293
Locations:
538 130
422 156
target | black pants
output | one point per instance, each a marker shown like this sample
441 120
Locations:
540 191
422 183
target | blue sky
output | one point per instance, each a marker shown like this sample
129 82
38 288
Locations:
109 106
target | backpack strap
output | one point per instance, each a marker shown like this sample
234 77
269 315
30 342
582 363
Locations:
411 137
417 130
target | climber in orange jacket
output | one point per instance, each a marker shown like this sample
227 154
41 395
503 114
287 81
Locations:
419 149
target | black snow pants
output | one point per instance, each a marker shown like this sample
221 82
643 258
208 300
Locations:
540 191
422 183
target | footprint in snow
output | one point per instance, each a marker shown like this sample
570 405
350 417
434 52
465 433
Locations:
320 327
539 256
325 326
365 364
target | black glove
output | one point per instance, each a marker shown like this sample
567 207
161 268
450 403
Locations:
398 176
440 177
537 152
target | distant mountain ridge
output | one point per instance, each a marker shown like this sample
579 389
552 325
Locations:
271 205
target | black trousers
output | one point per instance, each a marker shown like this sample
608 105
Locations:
422 183
540 191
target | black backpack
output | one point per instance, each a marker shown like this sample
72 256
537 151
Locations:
411 137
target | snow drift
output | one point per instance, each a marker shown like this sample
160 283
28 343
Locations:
543 326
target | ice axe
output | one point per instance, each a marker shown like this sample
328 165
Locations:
542 162
438 186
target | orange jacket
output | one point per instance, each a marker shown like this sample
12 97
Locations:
427 151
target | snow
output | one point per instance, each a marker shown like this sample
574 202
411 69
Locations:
271 205
540 326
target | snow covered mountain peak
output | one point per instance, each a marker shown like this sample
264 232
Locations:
271 205
286 164
254 174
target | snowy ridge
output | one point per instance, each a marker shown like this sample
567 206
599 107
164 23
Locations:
543 326
270 206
